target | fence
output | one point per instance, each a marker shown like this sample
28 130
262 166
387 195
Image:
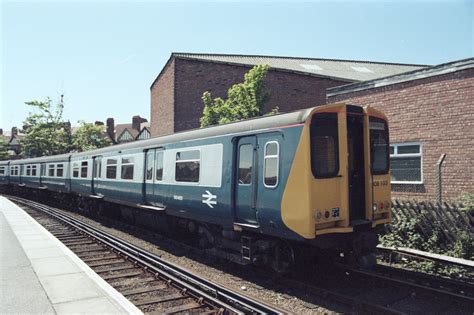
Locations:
449 222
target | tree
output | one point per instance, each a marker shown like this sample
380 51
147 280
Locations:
45 131
90 136
244 100
3 149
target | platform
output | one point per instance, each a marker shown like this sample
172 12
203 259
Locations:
39 274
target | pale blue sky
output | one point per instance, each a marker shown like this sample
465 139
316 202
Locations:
103 55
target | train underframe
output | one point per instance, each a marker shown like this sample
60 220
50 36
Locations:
243 247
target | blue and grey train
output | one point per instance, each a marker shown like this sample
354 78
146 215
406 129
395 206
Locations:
255 190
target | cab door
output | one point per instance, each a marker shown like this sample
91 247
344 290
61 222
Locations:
246 181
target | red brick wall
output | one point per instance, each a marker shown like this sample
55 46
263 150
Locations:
438 112
289 91
162 102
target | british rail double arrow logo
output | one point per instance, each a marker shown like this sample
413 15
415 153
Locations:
210 199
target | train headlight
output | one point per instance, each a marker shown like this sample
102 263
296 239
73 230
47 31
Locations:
374 207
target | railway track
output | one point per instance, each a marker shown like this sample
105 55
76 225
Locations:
149 282
389 290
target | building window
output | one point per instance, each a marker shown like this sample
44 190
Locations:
159 166
405 163
75 170
271 164
187 166
84 169
127 168
111 169
51 170
59 170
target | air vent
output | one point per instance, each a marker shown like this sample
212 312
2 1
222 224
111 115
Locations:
311 67
362 69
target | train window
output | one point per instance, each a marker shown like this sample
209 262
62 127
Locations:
324 145
33 170
84 169
159 166
97 167
271 164
2 170
43 169
59 170
75 169
149 164
28 170
245 164
51 170
111 168
379 154
127 168
187 166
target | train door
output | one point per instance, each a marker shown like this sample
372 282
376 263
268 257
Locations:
96 174
355 147
153 176
246 181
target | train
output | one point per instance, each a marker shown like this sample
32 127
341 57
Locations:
257 191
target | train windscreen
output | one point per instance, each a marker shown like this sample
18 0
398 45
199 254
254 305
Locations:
324 145
379 146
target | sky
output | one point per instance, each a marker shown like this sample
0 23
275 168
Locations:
104 55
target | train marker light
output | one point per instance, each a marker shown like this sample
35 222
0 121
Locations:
374 207
326 214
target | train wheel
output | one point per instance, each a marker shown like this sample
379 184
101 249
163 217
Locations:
283 257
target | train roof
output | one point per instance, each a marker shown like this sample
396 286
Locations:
52 158
259 123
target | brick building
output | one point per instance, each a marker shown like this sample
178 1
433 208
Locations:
294 83
431 113
139 129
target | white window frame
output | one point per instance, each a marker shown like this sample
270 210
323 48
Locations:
420 155
56 170
2 170
132 163
163 166
184 161
265 157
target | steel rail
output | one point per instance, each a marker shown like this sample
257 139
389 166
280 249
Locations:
202 287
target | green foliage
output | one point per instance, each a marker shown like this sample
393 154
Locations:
89 136
45 131
3 149
467 202
244 100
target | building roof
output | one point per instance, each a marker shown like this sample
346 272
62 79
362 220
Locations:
348 70
428 72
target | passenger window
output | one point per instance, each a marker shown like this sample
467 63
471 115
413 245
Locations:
159 166
33 170
324 145
28 170
59 170
111 168
2 170
127 168
51 170
75 170
84 169
187 166
149 164
245 164
271 164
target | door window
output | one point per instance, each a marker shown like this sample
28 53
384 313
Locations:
245 164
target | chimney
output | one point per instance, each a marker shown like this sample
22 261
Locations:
136 122
14 131
1 131
111 128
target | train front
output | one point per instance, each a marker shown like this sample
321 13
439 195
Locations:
338 190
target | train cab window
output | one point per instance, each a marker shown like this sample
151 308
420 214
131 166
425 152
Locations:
75 169
51 170
379 146
271 164
187 166
28 170
127 168
33 170
324 145
84 169
111 171
159 166
245 164
59 170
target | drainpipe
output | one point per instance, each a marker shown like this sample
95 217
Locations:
439 191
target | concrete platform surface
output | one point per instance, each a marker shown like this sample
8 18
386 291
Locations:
40 275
